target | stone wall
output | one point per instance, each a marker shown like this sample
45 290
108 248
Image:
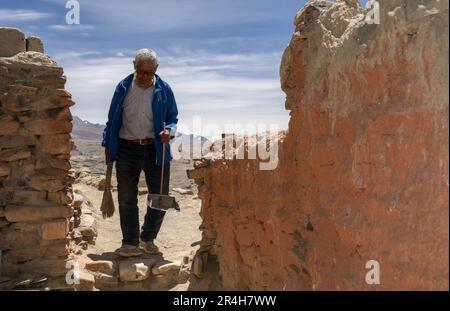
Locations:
35 144
363 168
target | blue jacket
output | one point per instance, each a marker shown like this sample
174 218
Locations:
164 109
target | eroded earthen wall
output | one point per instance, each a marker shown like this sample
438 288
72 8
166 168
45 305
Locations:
363 169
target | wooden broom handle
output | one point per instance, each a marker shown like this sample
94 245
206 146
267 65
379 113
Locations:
108 175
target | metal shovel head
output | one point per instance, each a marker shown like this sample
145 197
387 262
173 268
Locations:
162 202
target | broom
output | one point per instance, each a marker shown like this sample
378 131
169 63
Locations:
107 207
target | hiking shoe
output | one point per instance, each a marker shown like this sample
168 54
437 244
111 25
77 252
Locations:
128 251
149 247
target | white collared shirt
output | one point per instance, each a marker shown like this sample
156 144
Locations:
137 119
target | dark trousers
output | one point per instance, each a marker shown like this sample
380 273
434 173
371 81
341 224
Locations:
131 159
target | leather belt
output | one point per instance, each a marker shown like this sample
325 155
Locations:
142 141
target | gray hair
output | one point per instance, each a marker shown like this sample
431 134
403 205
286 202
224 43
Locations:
146 55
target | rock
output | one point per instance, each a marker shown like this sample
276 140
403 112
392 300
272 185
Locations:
20 235
52 173
55 144
133 270
23 91
12 41
185 269
55 229
353 3
14 154
44 182
9 127
16 141
85 169
199 264
67 157
182 191
61 164
100 183
86 211
47 103
197 267
165 266
184 275
197 173
63 93
48 127
72 223
77 217
84 245
58 249
142 190
88 180
4 279
78 200
65 115
105 281
201 163
88 228
3 223
86 281
24 283
4 170
22 197
37 213
61 197
15 103
214 250
49 267
103 266
34 44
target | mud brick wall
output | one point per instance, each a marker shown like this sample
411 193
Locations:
363 169
35 145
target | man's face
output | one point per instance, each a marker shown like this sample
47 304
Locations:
145 71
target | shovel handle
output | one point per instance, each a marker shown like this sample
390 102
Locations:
162 163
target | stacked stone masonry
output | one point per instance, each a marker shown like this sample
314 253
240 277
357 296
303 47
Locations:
35 143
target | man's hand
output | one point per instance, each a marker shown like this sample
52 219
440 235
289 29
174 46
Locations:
106 155
165 136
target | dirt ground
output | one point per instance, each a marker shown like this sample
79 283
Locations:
179 229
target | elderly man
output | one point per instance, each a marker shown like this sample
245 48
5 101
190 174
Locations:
133 138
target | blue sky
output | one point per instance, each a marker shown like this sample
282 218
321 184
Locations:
221 57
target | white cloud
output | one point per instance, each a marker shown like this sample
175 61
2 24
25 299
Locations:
222 88
74 55
139 16
22 15
71 27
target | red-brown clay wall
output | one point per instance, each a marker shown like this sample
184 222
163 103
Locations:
363 169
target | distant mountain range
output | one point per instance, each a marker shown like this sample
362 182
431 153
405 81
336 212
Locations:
83 129
86 130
